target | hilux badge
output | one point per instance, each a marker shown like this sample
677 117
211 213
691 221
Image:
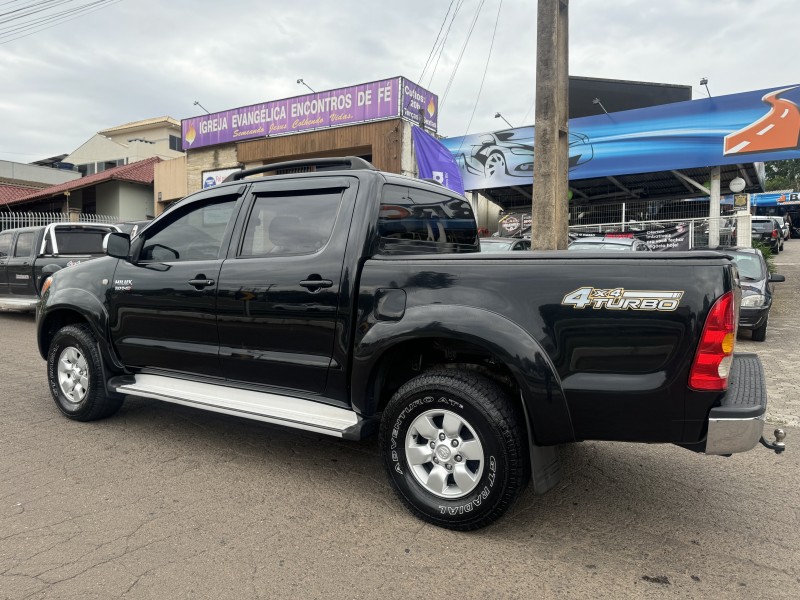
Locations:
622 299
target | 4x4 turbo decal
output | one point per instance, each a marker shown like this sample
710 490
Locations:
622 299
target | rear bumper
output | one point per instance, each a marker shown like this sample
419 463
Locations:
737 424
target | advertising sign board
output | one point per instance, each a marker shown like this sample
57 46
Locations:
384 99
212 178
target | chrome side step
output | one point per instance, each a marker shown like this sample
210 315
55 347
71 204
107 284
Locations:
25 303
260 406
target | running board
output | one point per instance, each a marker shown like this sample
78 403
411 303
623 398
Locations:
21 304
260 406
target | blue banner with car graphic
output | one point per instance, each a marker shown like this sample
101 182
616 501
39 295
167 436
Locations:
748 127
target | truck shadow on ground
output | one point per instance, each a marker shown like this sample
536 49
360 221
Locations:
609 488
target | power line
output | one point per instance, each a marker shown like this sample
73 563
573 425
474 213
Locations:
102 4
30 7
485 70
16 28
461 54
436 41
444 40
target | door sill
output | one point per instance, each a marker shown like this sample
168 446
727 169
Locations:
260 406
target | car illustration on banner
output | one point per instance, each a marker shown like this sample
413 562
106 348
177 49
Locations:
510 152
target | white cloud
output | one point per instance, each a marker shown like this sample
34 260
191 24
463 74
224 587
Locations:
145 58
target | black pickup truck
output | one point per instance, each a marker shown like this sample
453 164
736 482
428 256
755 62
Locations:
29 255
346 300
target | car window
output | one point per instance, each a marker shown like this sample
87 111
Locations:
749 266
24 244
5 245
495 246
763 225
523 245
291 223
419 215
194 232
78 240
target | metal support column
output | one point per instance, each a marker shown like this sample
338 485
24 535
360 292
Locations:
713 209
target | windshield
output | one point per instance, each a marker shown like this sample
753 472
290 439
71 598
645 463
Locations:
749 266
591 246
495 246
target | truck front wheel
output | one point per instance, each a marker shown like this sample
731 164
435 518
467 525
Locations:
454 448
75 375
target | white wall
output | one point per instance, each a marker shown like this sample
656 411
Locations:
36 173
135 201
107 198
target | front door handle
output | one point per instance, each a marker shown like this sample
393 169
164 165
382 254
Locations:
314 285
201 282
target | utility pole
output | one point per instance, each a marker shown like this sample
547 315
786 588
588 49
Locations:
550 211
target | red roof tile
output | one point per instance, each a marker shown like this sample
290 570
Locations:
11 193
138 172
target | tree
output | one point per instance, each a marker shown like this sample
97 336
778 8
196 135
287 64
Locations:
782 175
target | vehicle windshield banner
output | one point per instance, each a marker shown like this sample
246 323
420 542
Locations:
434 161
752 126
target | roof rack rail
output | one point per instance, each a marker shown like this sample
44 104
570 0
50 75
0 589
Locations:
322 164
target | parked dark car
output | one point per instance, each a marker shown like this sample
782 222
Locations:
30 255
783 227
609 243
755 281
766 231
499 244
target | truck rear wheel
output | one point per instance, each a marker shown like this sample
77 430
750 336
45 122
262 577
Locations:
75 376
454 448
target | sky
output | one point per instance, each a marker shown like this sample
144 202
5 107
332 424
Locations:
125 60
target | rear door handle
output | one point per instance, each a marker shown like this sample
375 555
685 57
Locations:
201 283
314 285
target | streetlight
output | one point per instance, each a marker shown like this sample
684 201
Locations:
704 81
300 81
497 115
196 103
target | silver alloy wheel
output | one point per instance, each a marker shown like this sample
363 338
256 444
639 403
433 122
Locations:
444 453
495 164
73 374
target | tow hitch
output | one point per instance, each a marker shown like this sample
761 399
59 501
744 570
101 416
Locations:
778 445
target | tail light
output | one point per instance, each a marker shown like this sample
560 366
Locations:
774 233
712 364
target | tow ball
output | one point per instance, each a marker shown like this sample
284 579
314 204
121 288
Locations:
778 445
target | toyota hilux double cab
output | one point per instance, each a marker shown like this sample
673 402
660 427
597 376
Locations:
346 300
29 255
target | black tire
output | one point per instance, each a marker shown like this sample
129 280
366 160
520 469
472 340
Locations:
75 345
498 477
760 334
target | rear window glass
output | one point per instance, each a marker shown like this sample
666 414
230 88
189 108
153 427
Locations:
78 241
763 225
418 221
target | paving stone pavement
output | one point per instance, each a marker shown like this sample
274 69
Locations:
166 502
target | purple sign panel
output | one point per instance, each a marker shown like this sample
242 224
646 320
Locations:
344 106
419 105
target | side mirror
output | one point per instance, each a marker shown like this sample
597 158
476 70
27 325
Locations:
773 278
117 245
